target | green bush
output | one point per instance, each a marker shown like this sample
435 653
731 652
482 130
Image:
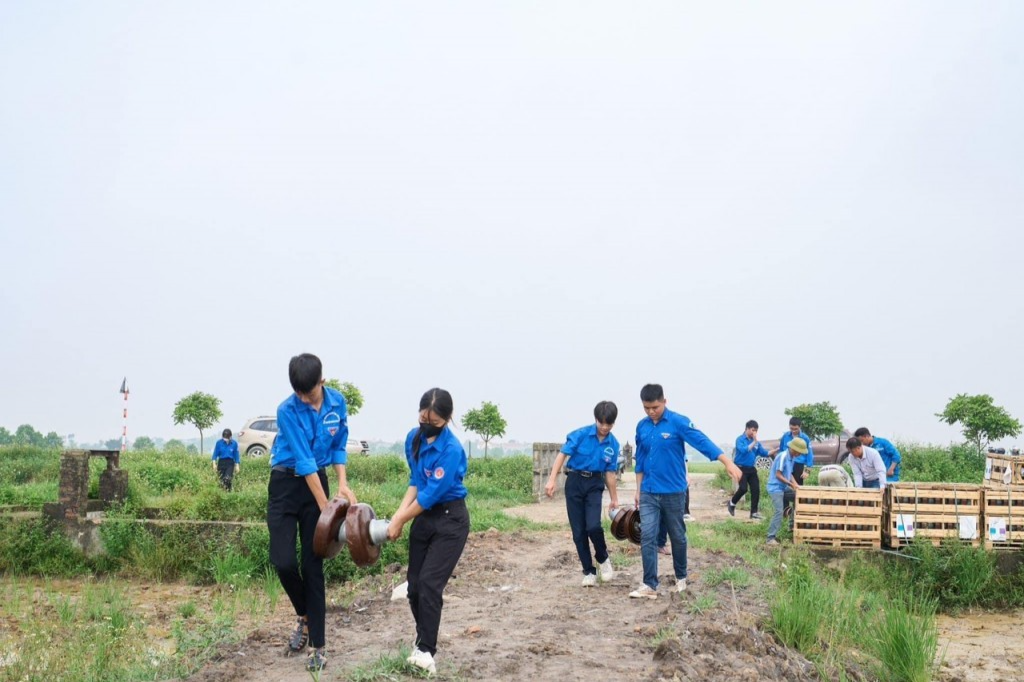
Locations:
35 547
928 463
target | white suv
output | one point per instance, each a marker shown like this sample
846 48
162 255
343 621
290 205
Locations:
257 437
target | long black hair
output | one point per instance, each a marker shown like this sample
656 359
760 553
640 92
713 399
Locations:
438 401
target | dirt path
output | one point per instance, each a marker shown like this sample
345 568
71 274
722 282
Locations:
516 611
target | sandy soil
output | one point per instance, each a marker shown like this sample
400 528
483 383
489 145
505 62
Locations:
515 611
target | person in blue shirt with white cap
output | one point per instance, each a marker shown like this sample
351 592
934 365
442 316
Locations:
312 433
661 440
435 502
591 457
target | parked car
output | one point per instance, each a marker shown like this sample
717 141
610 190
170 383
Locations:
829 451
257 437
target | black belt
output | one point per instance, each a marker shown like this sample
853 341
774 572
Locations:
584 474
442 509
291 471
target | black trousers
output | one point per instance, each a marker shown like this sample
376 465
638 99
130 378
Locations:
798 473
291 507
749 480
226 471
583 506
436 541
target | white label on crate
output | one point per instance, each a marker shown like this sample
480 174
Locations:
1008 475
968 527
904 525
997 529
988 468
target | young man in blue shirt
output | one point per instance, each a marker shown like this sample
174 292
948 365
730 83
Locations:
312 433
890 455
661 439
781 480
805 461
225 459
748 449
591 455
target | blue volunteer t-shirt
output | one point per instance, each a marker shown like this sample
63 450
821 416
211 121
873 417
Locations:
587 453
807 459
438 472
224 450
308 439
783 464
889 455
745 455
661 451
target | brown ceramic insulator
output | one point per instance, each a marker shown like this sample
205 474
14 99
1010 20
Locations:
357 532
325 539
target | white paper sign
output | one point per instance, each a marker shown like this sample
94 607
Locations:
997 529
968 527
988 468
1008 475
904 525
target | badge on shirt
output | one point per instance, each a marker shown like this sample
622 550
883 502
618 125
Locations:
332 420
439 473
665 435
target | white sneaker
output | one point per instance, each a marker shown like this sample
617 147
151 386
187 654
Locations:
421 659
607 572
589 580
643 592
688 517
681 585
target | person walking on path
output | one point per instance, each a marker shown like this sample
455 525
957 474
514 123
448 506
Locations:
782 483
225 459
591 458
435 502
312 432
748 449
661 439
867 465
891 457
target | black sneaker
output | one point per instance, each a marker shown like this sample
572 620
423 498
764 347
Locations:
317 660
300 638
732 509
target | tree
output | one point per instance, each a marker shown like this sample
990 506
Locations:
6 438
112 444
200 409
820 420
26 435
143 443
173 445
486 422
53 441
353 396
980 419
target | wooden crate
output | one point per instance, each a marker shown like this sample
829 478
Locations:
838 518
838 532
821 500
933 512
1004 509
1001 470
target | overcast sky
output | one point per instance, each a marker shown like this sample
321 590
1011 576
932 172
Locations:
541 204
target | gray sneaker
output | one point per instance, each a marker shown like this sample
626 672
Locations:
732 509
757 516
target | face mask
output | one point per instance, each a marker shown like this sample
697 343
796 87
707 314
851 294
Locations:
430 431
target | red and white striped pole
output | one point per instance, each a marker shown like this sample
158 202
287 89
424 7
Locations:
124 425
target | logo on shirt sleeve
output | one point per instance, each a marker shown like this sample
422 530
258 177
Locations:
438 473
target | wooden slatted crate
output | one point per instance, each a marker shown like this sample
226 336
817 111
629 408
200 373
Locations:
1001 470
935 512
838 518
1004 518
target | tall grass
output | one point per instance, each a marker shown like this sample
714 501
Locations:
905 641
